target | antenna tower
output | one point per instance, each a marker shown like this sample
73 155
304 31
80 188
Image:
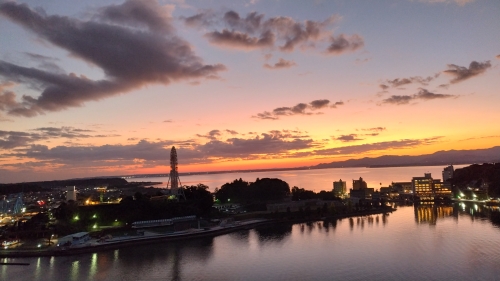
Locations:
173 180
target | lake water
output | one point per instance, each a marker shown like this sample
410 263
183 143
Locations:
316 179
456 242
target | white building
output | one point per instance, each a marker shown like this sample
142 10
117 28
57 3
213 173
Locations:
448 173
70 193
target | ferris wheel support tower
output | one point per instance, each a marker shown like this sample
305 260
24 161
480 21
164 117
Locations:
174 182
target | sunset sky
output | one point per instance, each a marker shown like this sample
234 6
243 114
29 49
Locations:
100 88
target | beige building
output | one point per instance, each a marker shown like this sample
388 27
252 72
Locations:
340 188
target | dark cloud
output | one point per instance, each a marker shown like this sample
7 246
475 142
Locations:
317 104
282 33
422 94
12 139
205 18
133 43
342 44
168 121
398 99
336 104
280 64
275 142
266 115
251 23
398 82
364 148
232 132
426 95
299 109
16 139
348 138
213 135
461 73
383 87
240 40
271 143
148 15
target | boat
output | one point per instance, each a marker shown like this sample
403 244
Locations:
11 242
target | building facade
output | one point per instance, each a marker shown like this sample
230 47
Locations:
428 189
359 184
70 193
448 173
340 188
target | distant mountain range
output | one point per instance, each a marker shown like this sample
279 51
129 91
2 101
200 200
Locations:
456 157
450 157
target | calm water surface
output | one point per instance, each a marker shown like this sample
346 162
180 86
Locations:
456 242
316 180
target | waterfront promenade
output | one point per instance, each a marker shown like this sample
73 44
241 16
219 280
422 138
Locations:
151 236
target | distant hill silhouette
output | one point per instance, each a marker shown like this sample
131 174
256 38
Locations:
455 157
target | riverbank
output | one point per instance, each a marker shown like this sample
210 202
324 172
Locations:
150 237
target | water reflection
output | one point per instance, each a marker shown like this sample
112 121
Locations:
275 233
431 213
75 268
93 266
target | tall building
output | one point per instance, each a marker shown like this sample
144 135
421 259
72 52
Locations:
70 193
428 189
448 173
339 188
359 184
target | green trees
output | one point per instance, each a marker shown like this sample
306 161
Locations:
476 175
199 197
302 194
265 189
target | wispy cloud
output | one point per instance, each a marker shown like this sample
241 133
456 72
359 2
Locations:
299 109
375 129
282 63
212 135
370 147
461 73
423 94
17 139
348 138
458 2
398 82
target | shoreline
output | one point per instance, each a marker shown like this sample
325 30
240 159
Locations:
185 235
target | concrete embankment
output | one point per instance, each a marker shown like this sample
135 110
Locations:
132 241
121 242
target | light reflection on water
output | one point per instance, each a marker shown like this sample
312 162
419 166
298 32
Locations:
426 242
75 268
